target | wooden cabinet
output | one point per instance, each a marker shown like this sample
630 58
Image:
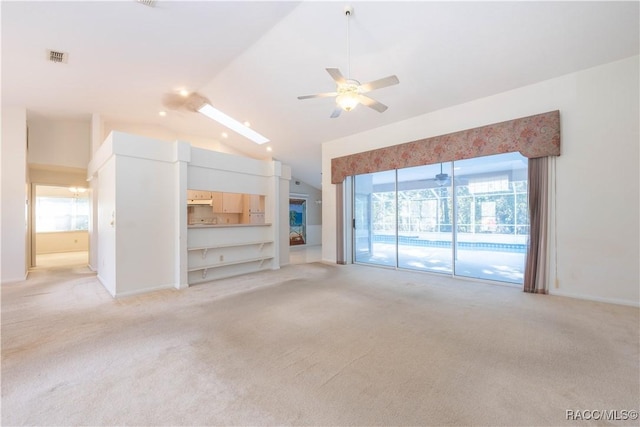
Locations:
198 195
232 202
227 202
253 203
253 212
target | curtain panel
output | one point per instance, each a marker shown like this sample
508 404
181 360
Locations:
533 136
535 271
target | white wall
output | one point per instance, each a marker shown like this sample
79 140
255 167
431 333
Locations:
107 220
59 142
145 232
61 241
597 174
13 161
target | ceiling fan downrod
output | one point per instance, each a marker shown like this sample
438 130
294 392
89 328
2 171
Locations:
348 11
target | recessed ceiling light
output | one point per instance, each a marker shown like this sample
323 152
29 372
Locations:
247 124
269 149
184 92
231 123
162 113
224 135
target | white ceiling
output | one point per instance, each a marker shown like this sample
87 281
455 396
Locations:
252 59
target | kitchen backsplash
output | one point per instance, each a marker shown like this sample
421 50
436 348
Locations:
205 215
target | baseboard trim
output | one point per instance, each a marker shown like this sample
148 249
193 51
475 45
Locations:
616 301
144 291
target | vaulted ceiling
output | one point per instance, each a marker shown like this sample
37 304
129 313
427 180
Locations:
252 60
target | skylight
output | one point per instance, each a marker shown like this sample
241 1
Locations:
232 124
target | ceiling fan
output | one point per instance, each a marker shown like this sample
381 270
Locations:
350 92
185 101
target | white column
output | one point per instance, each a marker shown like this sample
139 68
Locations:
13 233
182 157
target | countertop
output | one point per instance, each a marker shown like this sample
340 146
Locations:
226 225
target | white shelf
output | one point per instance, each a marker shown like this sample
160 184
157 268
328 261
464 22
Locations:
205 269
206 249
253 256
225 263
230 245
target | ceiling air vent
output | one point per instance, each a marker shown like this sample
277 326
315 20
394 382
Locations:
56 56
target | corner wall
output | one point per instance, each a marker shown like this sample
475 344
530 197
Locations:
13 161
59 142
597 178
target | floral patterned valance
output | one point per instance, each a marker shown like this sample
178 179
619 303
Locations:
533 136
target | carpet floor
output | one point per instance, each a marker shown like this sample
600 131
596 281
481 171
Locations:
312 344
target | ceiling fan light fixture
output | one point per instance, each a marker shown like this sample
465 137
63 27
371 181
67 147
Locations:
347 101
347 98
442 179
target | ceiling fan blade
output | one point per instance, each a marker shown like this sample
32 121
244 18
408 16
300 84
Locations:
379 84
336 113
191 102
319 95
372 103
336 75
173 101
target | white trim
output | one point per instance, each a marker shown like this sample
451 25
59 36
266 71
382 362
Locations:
616 301
145 290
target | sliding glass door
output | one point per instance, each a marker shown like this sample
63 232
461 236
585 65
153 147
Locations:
424 218
492 217
375 218
468 218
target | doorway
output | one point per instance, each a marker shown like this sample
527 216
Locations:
60 217
297 222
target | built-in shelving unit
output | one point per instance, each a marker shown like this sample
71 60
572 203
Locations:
217 252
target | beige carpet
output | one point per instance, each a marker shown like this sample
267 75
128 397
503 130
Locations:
311 344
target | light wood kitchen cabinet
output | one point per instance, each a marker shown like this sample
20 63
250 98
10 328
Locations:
198 195
253 203
253 212
227 202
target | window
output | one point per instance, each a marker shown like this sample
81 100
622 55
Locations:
58 209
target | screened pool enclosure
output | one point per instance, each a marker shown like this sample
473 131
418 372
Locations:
468 218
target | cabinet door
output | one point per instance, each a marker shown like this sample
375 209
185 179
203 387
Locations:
198 195
232 203
216 196
254 203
